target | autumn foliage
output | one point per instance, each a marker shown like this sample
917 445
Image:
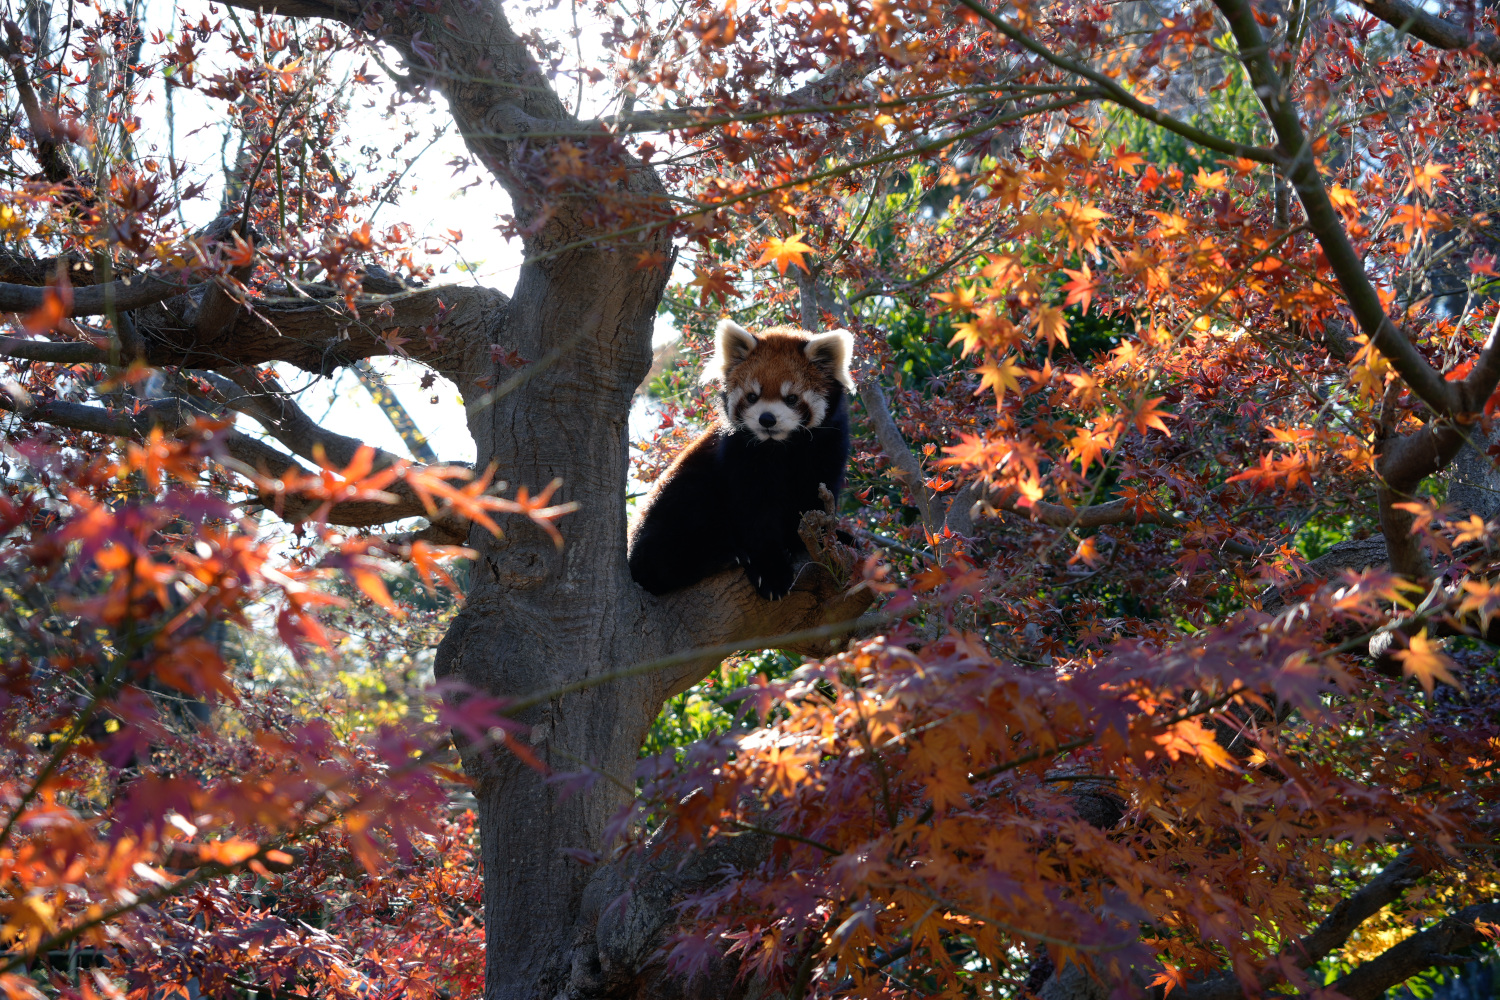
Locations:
1179 667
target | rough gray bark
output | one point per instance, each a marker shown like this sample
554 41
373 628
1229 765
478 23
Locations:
1474 481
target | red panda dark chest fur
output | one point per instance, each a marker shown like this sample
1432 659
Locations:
736 495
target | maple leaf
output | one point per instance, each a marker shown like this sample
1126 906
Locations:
1169 979
1473 529
784 252
1052 324
715 281
1482 597
425 557
1216 181
1275 828
1087 553
1126 163
1147 416
1424 660
1088 446
972 452
1002 378
1425 177
1343 199
1422 512
1081 288
647 260
961 298
227 852
1082 221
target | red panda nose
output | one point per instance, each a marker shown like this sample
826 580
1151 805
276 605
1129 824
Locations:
768 420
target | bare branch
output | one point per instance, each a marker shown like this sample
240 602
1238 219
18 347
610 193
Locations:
1341 921
1430 28
1112 91
893 443
52 352
94 300
1296 158
1435 946
1092 516
262 397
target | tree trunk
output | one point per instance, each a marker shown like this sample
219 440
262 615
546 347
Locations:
537 617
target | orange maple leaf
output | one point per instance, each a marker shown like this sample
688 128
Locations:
57 301
1087 553
1089 447
1426 177
1148 416
715 281
1424 660
1002 377
1082 288
1052 324
1215 181
1126 163
960 299
783 252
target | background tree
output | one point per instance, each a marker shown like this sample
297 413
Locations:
1072 757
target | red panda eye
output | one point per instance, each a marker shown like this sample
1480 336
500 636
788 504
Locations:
791 400
751 397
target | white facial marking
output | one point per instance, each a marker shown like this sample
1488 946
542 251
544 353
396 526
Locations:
786 389
783 421
817 407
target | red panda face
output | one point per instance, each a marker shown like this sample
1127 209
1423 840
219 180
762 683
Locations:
780 381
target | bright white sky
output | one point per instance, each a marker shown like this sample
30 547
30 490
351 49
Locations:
432 199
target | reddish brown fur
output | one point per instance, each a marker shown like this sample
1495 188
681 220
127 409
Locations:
780 357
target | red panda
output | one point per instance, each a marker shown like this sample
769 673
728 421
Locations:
737 494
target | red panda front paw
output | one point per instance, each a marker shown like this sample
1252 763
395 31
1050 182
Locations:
771 582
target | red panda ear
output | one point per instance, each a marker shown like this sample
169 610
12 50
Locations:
834 349
732 344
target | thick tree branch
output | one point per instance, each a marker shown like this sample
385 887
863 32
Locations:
1402 465
893 443
1482 381
223 298
1296 157
1438 945
22 270
262 397
53 351
1351 911
448 328
1092 516
95 300
1432 29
